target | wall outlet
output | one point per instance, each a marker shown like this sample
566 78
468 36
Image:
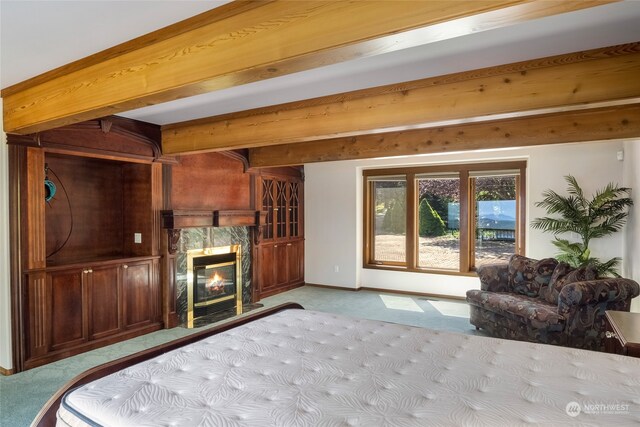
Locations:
336 269
137 237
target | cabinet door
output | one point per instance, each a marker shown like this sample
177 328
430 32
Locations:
105 293
268 205
295 259
138 292
280 210
281 264
66 303
266 277
293 209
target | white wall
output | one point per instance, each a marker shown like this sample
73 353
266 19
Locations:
5 297
631 261
333 212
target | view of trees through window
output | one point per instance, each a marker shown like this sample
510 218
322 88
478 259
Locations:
439 223
390 204
490 216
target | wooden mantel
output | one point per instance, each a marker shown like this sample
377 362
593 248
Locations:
175 220
178 219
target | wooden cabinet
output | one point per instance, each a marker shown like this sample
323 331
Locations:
84 307
280 250
280 266
85 271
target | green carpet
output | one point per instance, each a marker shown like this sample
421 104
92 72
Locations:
22 395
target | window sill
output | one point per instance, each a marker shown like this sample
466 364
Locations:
418 270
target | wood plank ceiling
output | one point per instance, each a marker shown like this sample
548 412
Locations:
247 41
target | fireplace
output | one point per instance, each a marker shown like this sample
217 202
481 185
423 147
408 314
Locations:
214 281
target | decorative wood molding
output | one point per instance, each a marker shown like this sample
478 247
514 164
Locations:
175 220
33 221
589 79
174 239
572 126
105 125
247 41
110 137
17 163
157 193
240 155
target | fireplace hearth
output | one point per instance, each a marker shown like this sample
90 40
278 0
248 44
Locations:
214 281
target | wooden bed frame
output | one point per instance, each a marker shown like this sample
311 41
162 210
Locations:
47 415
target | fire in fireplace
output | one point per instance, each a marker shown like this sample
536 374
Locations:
213 281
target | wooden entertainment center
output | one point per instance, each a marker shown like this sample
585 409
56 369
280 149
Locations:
88 273
91 263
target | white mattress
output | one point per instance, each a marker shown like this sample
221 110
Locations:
305 368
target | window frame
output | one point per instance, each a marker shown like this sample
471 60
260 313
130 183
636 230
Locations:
467 203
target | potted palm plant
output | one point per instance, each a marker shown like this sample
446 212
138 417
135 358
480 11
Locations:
602 215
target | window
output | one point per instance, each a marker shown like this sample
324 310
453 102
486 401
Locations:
448 219
389 213
438 221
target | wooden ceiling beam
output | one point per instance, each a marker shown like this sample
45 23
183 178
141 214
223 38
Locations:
248 41
556 128
560 82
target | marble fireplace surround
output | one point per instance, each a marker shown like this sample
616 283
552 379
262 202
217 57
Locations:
189 230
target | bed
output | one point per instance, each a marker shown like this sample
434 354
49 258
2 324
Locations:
292 367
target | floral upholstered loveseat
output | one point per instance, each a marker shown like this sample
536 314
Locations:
547 302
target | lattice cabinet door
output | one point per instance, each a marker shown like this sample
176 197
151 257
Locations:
268 205
281 208
294 208
281 201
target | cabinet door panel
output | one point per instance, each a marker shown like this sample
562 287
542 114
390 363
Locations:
136 282
281 209
104 300
268 205
296 261
39 324
294 209
281 264
66 293
265 267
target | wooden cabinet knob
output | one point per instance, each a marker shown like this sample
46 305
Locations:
289 244
85 271
125 266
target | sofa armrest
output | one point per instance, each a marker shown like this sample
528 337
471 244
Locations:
613 292
494 277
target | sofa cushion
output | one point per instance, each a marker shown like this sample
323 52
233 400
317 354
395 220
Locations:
532 310
562 276
527 276
561 270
